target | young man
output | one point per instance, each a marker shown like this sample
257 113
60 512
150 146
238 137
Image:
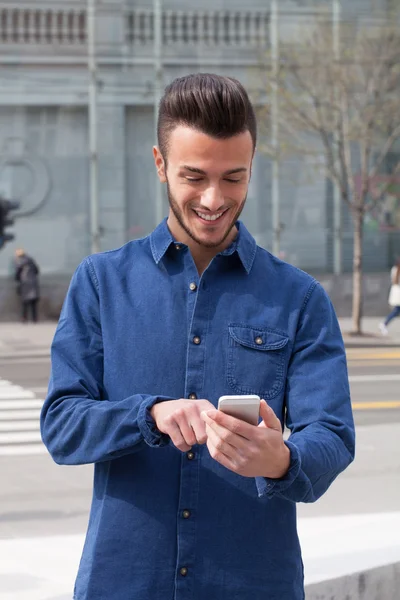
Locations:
189 503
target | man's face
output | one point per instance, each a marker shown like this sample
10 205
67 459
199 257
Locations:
207 181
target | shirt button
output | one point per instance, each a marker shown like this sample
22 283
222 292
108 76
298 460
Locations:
259 341
196 340
193 286
190 455
186 514
192 397
183 571
177 246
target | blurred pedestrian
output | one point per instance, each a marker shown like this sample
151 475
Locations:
394 297
27 277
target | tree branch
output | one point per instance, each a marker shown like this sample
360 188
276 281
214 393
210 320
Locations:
376 201
388 145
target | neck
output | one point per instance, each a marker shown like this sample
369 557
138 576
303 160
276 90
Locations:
202 255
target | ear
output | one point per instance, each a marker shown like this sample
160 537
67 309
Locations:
160 164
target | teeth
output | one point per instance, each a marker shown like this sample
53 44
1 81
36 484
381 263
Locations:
209 217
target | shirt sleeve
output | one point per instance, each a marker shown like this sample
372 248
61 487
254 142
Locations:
318 407
79 424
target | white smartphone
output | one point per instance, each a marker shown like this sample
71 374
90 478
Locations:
246 408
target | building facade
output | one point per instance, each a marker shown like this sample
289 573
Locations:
44 127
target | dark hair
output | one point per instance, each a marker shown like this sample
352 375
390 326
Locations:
215 105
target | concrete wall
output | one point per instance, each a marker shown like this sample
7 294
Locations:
44 151
375 293
54 287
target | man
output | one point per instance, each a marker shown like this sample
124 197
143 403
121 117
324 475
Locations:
189 503
27 277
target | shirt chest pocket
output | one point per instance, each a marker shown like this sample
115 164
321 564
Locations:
256 360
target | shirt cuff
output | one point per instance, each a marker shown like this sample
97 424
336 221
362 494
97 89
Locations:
269 487
152 436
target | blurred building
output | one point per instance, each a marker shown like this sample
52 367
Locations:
44 156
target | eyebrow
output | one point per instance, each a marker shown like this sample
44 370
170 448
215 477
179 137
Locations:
201 172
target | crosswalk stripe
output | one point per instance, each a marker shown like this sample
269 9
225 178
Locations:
16 437
24 449
19 420
15 393
17 404
15 415
9 425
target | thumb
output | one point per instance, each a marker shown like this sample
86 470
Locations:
269 419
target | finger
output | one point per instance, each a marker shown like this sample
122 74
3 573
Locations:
199 429
227 436
173 429
221 445
220 457
186 430
237 426
269 418
176 436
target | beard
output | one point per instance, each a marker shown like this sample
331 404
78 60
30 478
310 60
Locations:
179 216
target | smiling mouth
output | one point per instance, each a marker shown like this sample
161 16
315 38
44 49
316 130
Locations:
210 218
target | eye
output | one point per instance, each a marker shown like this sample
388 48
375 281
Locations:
194 179
232 180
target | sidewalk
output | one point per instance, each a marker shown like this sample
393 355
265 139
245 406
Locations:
19 340
332 547
371 337
26 340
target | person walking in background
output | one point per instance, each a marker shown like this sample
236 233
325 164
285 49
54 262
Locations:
394 297
27 277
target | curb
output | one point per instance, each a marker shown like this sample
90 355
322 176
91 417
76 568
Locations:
16 356
348 345
371 345
371 584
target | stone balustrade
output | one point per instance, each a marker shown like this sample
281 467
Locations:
27 26
244 28
31 27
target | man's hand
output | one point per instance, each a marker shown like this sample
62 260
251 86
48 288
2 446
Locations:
180 419
249 450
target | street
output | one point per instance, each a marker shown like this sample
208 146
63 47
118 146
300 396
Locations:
374 380
44 507
42 498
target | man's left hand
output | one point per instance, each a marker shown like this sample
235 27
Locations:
249 450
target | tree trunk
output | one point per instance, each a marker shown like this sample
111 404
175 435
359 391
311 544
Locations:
358 217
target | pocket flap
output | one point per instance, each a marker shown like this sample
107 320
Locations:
259 339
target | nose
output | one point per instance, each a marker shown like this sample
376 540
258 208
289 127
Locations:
212 199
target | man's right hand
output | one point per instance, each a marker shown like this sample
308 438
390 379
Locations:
180 419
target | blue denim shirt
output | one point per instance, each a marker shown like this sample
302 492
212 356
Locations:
171 525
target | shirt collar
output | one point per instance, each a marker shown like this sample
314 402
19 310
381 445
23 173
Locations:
244 244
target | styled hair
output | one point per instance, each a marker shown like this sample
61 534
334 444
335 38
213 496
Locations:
212 104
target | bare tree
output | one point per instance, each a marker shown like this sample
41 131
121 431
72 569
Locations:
348 104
